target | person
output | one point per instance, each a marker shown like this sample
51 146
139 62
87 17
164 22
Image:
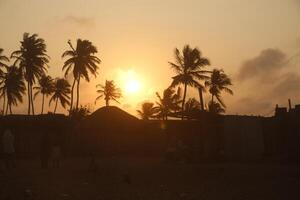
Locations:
45 150
56 149
8 140
55 155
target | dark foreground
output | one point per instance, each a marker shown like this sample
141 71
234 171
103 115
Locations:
150 179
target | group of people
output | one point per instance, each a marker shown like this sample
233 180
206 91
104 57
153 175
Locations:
50 148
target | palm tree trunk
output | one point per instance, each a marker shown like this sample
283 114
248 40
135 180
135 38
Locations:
28 94
55 106
107 102
4 101
31 97
10 109
183 101
212 98
201 98
78 83
6 108
72 94
43 101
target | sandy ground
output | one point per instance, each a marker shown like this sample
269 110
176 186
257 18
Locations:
150 179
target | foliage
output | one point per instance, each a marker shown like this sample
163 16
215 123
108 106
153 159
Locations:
61 92
32 60
80 113
109 91
12 87
217 83
148 111
168 103
188 68
215 107
81 61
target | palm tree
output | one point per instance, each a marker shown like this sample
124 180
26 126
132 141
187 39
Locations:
3 65
61 92
46 87
32 60
215 107
217 83
148 111
191 105
168 103
188 68
2 58
81 62
109 91
12 87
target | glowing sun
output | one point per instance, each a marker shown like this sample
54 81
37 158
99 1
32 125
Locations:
132 86
130 81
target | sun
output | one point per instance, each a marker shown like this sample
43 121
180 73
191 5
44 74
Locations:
131 82
132 86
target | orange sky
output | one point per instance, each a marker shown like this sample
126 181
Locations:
140 35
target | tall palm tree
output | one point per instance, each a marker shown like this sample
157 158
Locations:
61 92
147 111
12 87
32 60
168 103
81 61
188 67
46 87
217 83
2 66
109 91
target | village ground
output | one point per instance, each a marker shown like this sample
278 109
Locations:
150 179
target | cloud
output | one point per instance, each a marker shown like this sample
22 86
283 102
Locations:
289 86
269 61
81 21
253 105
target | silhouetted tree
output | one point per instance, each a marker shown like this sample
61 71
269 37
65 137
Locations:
147 111
61 92
2 67
12 87
81 62
191 105
168 103
46 87
2 64
215 107
32 60
109 91
80 113
217 83
188 68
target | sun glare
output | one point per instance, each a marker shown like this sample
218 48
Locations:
131 84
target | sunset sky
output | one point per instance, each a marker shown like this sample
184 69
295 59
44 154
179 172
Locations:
256 42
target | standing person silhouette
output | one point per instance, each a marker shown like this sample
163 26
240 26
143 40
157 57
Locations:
8 142
45 150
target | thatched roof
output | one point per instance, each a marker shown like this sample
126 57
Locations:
110 117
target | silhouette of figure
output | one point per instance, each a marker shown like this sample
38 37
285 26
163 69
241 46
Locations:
56 150
8 140
55 155
45 150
